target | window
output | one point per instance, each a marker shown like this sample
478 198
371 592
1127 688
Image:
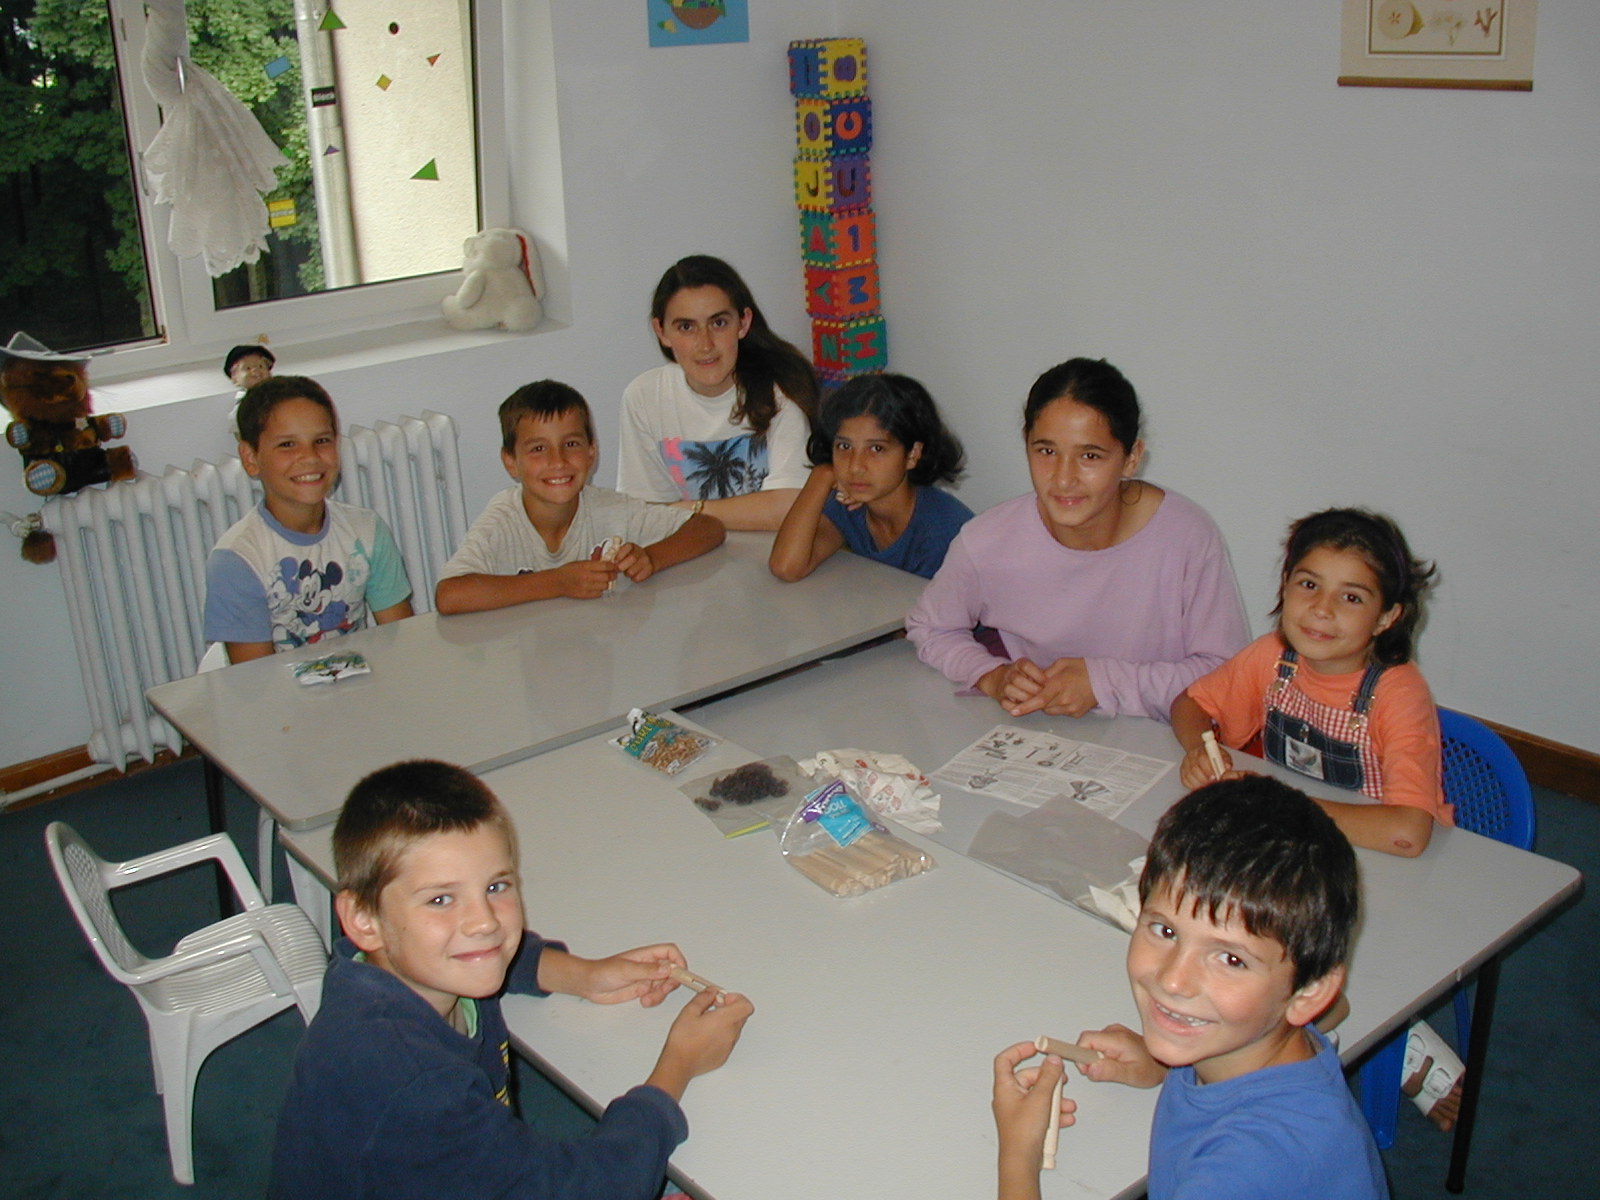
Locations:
394 146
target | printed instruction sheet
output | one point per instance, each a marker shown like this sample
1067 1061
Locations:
1028 767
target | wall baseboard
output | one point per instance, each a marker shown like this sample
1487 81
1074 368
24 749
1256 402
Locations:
1554 765
34 776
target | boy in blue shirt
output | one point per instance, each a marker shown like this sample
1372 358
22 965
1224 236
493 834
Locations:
300 567
400 1088
1250 900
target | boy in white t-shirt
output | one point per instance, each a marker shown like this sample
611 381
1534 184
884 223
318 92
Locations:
548 536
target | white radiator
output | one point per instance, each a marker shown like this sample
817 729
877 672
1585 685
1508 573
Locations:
133 558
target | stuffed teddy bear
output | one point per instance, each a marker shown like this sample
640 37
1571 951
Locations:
502 286
54 430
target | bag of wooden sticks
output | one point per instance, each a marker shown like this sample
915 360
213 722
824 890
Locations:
832 842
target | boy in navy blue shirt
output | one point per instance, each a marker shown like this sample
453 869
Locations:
400 1088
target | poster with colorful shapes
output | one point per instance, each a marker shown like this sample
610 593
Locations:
697 22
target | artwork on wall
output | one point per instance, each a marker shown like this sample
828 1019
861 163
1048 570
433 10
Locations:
697 22
1485 44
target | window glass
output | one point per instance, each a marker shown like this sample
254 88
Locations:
72 263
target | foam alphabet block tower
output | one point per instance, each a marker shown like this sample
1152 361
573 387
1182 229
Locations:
833 191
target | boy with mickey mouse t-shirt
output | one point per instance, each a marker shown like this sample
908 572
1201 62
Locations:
300 567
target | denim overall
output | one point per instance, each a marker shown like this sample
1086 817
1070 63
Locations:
1326 743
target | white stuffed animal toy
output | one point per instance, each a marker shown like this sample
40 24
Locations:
502 286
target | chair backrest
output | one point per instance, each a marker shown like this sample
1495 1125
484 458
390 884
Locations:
1485 782
82 875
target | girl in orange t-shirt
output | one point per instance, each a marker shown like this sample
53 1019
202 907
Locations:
1332 693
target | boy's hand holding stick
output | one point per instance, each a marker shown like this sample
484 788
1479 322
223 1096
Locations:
1063 1050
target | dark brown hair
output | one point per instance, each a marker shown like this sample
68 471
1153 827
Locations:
767 364
1262 850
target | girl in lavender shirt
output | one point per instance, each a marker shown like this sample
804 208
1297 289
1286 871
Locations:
1108 592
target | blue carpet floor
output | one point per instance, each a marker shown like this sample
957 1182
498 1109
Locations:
83 1120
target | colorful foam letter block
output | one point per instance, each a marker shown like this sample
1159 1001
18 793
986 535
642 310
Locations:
833 184
828 127
850 348
822 67
837 239
842 293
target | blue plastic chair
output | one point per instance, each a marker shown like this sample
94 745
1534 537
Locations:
1487 786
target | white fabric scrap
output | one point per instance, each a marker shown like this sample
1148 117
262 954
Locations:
889 784
1121 903
211 161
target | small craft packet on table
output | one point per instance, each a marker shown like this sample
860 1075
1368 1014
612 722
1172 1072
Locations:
833 843
888 784
662 744
330 668
749 797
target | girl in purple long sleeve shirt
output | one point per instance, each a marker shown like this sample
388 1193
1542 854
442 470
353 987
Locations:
1108 592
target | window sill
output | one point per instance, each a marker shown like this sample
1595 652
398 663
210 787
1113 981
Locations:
131 391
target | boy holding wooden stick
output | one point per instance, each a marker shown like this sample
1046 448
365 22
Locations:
1250 900
400 1088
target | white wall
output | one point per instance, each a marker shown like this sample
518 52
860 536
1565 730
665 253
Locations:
1324 295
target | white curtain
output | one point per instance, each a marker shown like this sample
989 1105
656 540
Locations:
211 161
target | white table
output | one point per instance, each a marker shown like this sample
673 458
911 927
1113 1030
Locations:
485 689
1428 922
865 1070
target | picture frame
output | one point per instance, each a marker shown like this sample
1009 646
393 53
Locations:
1477 44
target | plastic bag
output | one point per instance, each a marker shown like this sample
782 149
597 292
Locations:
888 784
833 843
751 796
662 744
1088 860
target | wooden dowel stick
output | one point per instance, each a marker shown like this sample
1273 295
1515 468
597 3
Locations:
1052 1131
1081 1055
1214 753
690 980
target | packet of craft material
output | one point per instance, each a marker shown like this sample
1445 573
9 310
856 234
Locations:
330 668
832 842
662 744
749 797
888 785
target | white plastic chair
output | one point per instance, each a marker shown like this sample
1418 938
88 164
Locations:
218 982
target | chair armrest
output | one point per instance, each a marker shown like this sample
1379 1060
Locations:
246 941
218 846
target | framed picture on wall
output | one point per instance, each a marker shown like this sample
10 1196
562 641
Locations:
1438 44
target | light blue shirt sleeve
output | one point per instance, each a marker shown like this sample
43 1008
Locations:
236 601
388 584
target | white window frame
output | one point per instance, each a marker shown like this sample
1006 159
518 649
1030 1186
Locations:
191 328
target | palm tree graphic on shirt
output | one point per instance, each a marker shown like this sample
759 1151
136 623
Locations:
732 467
